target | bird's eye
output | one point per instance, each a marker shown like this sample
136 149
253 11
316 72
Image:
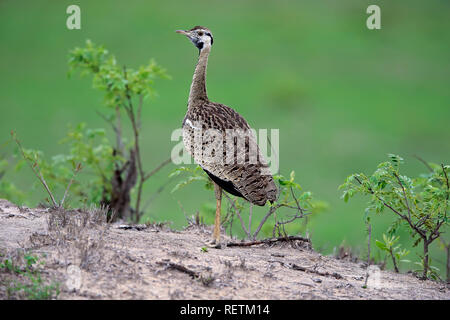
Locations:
200 33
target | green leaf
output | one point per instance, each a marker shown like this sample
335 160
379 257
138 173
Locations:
381 245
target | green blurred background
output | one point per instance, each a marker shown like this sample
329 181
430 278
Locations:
342 96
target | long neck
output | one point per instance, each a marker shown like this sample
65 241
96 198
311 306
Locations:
198 86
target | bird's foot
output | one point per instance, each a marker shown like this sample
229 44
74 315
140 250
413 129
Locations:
216 244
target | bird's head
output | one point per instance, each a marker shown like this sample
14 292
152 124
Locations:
201 37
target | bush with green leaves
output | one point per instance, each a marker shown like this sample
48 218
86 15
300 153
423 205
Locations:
421 204
125 90
119 83
112 172
86 146
298 206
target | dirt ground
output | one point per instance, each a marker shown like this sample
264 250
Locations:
91 259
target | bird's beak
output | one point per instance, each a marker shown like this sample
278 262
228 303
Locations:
182 32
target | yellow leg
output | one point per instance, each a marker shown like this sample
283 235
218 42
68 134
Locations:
216 234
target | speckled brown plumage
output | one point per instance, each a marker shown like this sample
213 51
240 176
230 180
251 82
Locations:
249 179
253 181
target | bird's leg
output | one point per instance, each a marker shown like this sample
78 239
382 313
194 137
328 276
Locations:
218 192
216 234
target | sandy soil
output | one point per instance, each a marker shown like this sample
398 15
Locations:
95 260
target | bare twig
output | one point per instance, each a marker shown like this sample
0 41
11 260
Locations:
422 220
77 169
239 215
446 180
369 230
268 241
250 219
36 169
159 167
424 162
268 214
155 194
136 124
394 261
447 246
295 217
139 112
279 225
179 267
296 202
323 274
130 111
314 271
118 130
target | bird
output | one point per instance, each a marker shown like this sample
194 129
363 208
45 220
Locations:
245 173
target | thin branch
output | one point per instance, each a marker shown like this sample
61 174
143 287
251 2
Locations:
155 194
384 203
404 194
419 231
159 167
393 260
422 220
275 225
131 115
369 230
272 210
296 201
179 267
268 214
227 217
231 226
295 217
118 131
250 218
448 190
139 112
117 128
77 169
435 233
238 214
323 274
136 123
33 167
268 241
304 269
446 179
424 162
105 118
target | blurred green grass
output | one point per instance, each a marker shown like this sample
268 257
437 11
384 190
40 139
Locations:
342 96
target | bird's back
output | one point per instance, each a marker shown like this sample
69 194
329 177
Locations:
240 169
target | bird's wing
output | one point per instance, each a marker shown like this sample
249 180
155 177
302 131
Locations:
242 169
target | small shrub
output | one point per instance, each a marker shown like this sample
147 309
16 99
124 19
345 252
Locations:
125 90
394 252
421 203
300 206
113 172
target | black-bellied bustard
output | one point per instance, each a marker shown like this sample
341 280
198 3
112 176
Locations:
221 141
